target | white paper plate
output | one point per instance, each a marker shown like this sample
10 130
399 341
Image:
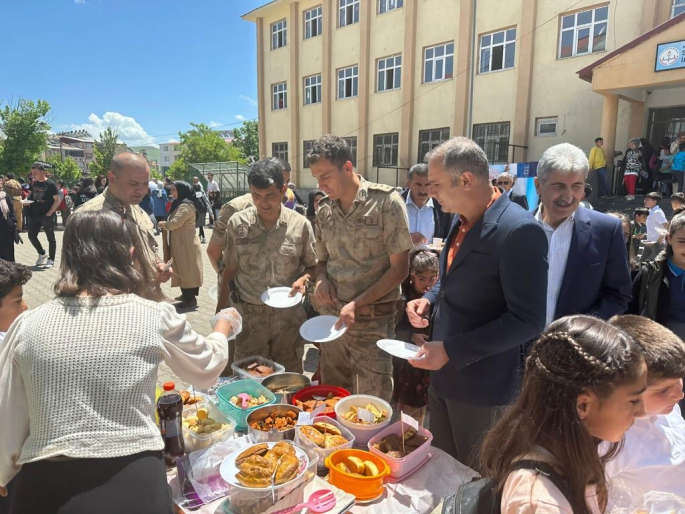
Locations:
214 292
26 202
229 470
320 329
279 297
398 349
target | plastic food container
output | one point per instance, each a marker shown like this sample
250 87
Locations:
260 414
363 488
238 370
405 465
362 433
243 500
250 387
323 390
323 452
195 441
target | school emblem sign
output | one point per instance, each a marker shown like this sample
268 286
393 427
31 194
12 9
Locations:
670 56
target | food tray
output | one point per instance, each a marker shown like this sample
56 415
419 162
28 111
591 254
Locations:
250 387
320 390
404 466
263 361
363 488
323 452
362 433
193 441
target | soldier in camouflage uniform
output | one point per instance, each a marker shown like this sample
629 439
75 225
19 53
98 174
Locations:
215 248
268 246
362 244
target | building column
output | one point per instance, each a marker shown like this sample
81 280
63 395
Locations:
327 80
363 166
637 119
608 129
407 145
294 92
263 95
462 68
525 52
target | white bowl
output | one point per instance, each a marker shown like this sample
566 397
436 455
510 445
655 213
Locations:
362 433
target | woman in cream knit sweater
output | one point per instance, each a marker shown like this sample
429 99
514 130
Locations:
78 375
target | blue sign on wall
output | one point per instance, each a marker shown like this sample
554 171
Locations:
670 56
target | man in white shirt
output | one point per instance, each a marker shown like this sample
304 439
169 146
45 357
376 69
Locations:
657 224
506 182
212 185
588 265
420 206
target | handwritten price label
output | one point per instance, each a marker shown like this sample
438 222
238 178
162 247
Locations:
366 416
408 420
304 418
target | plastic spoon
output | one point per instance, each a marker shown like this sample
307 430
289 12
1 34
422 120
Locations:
322 500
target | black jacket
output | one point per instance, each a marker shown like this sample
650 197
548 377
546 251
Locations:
522 200
651 296
443 220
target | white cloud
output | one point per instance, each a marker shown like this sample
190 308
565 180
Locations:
130 131
214 124
249 100
239 117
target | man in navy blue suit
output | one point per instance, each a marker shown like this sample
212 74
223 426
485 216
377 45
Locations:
588 262
489 303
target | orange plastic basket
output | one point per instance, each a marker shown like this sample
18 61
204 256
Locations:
363 488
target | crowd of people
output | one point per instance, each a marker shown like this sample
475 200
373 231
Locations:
546 338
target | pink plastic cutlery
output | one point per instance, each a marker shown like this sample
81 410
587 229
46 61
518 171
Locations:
322 500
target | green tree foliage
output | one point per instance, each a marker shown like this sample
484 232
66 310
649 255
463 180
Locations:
104 152
246 139
65 169
26 129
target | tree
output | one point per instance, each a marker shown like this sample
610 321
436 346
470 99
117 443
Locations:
246 139
104 152
66 169
26 129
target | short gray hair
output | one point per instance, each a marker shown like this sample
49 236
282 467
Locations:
506 174
420 170
563 158
461 154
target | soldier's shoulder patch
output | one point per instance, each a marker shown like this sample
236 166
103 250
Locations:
381 187
325 215
241 231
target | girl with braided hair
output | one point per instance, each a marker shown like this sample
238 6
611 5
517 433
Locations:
583 385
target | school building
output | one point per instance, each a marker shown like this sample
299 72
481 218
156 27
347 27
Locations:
397 77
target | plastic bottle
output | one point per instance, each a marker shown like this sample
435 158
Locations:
169 410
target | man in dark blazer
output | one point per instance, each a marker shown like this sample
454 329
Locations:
588 262
489 303
417 198
506 182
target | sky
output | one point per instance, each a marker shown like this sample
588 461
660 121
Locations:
145 67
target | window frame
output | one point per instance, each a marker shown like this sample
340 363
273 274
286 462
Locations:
396 73
546 120
494 127
276 32
306 148
352 143
577 27
394 149
343 7
435 59
275 93
384 6
315 20
279 152
506 44
354 77
440 139
679 5
316 87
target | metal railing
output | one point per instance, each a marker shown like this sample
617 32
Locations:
231 177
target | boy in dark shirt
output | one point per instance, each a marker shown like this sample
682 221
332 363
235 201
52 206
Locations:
46 200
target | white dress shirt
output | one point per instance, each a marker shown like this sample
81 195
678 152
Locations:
655 224
212 185
421 219
559 246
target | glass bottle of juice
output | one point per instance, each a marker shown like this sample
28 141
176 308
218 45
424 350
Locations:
169 410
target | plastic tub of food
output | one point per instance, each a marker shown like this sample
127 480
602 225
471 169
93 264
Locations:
304 397
362 432
399 467
197 441
243 500
324 452
240 367
267 436
254 389
364 488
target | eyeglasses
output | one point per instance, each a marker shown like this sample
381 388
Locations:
503 183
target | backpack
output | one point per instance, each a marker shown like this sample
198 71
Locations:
653 163
480 496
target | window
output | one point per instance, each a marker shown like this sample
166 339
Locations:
306 148
389 5
497 50
349 12
546 126
678 8
280 151
280 94
493 138
389 73
312 90
385 149
348 82
313 22
429 139
352 143
438 63
583 32
166 148
278 35
166 158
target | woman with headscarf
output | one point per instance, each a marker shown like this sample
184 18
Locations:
8 227
634 166
315 196
86 192
184 243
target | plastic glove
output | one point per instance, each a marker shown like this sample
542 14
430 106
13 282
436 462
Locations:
233 317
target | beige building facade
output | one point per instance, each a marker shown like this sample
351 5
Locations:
397 77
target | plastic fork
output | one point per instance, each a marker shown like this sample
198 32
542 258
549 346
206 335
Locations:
322 500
